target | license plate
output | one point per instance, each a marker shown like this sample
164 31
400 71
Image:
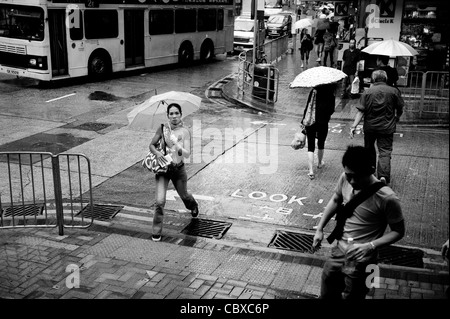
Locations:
274 32
13 72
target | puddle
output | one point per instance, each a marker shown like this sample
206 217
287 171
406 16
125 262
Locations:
103 96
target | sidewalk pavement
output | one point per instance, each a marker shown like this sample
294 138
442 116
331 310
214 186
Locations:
118 262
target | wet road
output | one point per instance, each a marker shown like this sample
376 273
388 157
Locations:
242 166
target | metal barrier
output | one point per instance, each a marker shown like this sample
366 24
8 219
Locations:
273 50
427 93
40 189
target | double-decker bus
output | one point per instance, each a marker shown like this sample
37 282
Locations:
56 39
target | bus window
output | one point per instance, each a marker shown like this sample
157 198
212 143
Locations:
206 20
76 24
21 23
161 22
185 20
101 24
220 19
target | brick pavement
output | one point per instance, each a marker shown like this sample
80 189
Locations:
112 264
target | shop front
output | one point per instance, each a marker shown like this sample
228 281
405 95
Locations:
423 24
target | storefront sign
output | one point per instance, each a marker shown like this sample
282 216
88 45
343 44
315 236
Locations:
383 18
387 8
341 9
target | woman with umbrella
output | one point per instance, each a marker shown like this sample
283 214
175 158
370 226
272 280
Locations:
320 107
325 102
178 140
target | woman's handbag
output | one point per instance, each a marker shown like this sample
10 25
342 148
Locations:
309 116
151 162
299 138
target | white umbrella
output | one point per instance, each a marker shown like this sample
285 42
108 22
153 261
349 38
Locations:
303 23
390 48
317 76
153 112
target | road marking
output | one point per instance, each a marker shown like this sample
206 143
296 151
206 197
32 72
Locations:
267 123
266 217
266 207
170 195
61 97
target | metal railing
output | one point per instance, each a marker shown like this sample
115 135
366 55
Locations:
40 189
427 93
265 86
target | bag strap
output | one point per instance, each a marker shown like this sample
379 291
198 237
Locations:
310 96
164 140
347 210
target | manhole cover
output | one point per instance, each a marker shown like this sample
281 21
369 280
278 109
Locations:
92 126
23 210
206 228
393 255
292 241
100 212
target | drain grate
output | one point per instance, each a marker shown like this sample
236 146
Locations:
23 210
394 255
206 228
92 126
292 241
100 212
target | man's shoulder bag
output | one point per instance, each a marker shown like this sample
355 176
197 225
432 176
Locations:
345 211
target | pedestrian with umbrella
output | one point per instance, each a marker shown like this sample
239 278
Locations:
384 50
319 108
176 141
392 74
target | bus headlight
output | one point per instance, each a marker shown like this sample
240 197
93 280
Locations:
37 62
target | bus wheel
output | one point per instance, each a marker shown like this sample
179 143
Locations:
185 54
207 51
99 66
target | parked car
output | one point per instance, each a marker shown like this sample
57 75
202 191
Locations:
279 24
244 34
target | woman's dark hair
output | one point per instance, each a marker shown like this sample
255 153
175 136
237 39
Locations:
358 159
329 88
384 59
174 105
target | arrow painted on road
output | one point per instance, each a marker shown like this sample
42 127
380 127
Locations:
267 123
171 193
